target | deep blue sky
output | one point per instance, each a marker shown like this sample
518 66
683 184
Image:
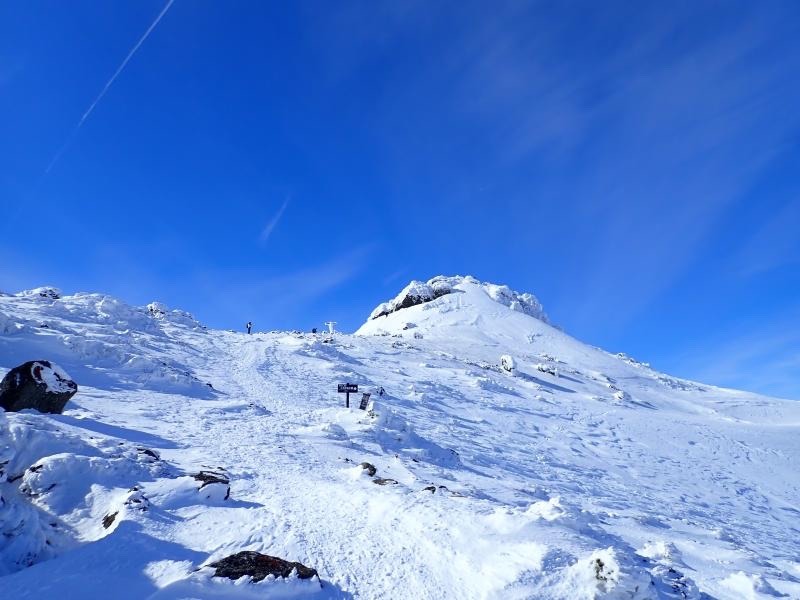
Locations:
635 165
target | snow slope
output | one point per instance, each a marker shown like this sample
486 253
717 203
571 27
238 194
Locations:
581 474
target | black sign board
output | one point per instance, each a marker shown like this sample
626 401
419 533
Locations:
347 388
364 401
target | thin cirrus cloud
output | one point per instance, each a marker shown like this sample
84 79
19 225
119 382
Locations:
677 137
775 244
284 298
273 223
756 357
107 86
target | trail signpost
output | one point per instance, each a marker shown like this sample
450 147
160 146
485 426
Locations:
364 401
348 388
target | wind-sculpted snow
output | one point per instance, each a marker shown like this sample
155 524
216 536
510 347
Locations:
114 343
572 473
55 484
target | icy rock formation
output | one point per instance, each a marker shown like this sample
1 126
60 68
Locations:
49 293
37 384
418 292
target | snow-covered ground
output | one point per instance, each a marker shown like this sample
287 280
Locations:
578 474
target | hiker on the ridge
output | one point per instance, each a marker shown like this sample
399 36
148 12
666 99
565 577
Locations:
249 326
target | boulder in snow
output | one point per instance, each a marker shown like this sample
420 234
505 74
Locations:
382 481
214 485
259 566
37 384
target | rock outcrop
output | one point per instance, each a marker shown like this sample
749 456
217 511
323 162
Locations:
420 292
416 292
37 384
259 566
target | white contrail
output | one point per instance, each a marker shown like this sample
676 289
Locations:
267 231
108 84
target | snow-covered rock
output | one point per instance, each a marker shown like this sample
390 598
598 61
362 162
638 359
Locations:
38 384
419 292
48 293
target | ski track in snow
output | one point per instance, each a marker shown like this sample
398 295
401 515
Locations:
610 480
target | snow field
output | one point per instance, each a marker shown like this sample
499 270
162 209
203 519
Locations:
609 480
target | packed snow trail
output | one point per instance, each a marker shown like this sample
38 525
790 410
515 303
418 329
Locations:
608 480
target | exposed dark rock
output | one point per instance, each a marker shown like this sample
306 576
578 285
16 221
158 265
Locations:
108 520
382 481
415 293
46 292
430 488
209 477
258 566
36 384
369 468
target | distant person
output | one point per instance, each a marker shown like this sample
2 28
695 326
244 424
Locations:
381 392
314 330
249 326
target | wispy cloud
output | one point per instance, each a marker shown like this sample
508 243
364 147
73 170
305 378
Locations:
282 300
391 278
759 356
273 223
108 84
776 243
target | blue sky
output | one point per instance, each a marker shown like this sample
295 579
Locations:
636 166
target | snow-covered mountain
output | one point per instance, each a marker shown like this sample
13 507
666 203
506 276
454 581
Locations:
570 473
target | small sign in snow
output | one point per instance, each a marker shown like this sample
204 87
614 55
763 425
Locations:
347 388
364 401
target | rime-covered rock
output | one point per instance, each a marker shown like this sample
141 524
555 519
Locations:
49 293
421 292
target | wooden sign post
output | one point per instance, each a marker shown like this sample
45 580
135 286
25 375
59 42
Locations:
348 388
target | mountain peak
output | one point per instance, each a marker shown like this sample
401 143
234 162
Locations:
445 301
421 292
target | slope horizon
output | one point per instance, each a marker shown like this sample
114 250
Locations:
360 325
493 456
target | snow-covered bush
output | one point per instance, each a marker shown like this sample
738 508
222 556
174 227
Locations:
545 368
507 363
